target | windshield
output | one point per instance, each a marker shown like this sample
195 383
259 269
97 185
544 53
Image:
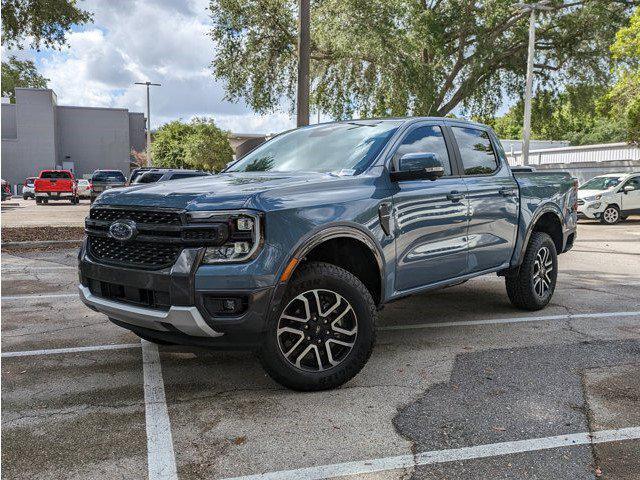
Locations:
116 176
601 183
347 147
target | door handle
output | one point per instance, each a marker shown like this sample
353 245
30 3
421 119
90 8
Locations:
455 196
507 192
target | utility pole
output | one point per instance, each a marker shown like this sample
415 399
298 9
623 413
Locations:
526 128
304 52
148 84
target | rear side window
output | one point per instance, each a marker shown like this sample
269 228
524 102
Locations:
178 176
478 157
59 174
149 177
426 139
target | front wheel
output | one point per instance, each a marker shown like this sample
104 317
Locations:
324 331
611 215
532 286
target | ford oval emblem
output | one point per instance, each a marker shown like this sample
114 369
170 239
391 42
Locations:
123 230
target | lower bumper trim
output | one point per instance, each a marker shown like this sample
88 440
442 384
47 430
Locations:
186 319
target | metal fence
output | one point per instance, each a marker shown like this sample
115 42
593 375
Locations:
604 152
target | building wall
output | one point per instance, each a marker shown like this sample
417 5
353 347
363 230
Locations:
94 138
37 134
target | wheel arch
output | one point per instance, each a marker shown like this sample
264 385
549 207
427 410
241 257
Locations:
547 220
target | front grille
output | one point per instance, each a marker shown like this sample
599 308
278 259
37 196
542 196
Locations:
160 235
138 216
135 254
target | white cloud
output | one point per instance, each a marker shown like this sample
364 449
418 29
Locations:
164 41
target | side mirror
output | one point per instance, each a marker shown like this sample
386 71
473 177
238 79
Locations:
417 166
628 188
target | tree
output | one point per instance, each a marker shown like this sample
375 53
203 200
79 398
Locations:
20 73
198 144
39 23
399 57
208 147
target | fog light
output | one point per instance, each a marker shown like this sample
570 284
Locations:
241 248
221 306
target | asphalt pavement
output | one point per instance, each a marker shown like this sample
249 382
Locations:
460 386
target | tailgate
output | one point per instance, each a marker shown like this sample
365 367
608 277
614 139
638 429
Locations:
53 185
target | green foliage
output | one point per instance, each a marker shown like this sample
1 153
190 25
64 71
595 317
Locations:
19 73
40 23
198 144
399 57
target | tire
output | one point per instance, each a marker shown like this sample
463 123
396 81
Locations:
336 301
530 287
611 215
45 201
25 197
38 201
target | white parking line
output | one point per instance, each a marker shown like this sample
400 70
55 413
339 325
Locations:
38 296
29 269
57 351
160 455
498 321
450 455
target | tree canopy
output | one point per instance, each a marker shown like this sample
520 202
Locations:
39 23
199 144
20 73
399 57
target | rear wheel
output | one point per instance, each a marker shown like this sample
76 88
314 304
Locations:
611 215
38 201
532 286
324 331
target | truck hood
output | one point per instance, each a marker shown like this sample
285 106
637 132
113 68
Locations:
225 191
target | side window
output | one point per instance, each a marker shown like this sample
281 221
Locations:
427 139
478 157
635 181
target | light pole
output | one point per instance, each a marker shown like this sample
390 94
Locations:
148 84
302 106
526 128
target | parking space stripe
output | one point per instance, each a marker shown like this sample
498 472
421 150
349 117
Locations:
28 269
449 455
160 455
58 351
38 296
498 321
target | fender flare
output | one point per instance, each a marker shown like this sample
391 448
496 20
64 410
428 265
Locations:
547 208
320 235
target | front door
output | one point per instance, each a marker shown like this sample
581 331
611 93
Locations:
430 217
493 199
630 200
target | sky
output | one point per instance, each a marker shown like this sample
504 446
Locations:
163 41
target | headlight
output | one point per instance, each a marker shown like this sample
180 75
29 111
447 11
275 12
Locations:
245 235
595 205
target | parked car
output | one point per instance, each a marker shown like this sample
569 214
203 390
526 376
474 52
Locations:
610 198
103 180
28 188
84 188
136 172
5 188
294 248
56 185
166 174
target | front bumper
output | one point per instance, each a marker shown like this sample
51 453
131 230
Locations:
591 210
177 309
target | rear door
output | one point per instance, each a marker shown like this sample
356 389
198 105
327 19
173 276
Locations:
493 197
630 200
430 217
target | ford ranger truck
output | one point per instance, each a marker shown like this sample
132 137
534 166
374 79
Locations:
56 185
293 249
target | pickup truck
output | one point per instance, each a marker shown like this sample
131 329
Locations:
293 249
102 180
56 185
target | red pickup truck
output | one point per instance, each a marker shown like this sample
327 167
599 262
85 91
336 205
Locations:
56 185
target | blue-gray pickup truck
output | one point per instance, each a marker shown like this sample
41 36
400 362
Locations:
293 249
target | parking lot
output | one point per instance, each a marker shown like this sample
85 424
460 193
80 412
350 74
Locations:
460 386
